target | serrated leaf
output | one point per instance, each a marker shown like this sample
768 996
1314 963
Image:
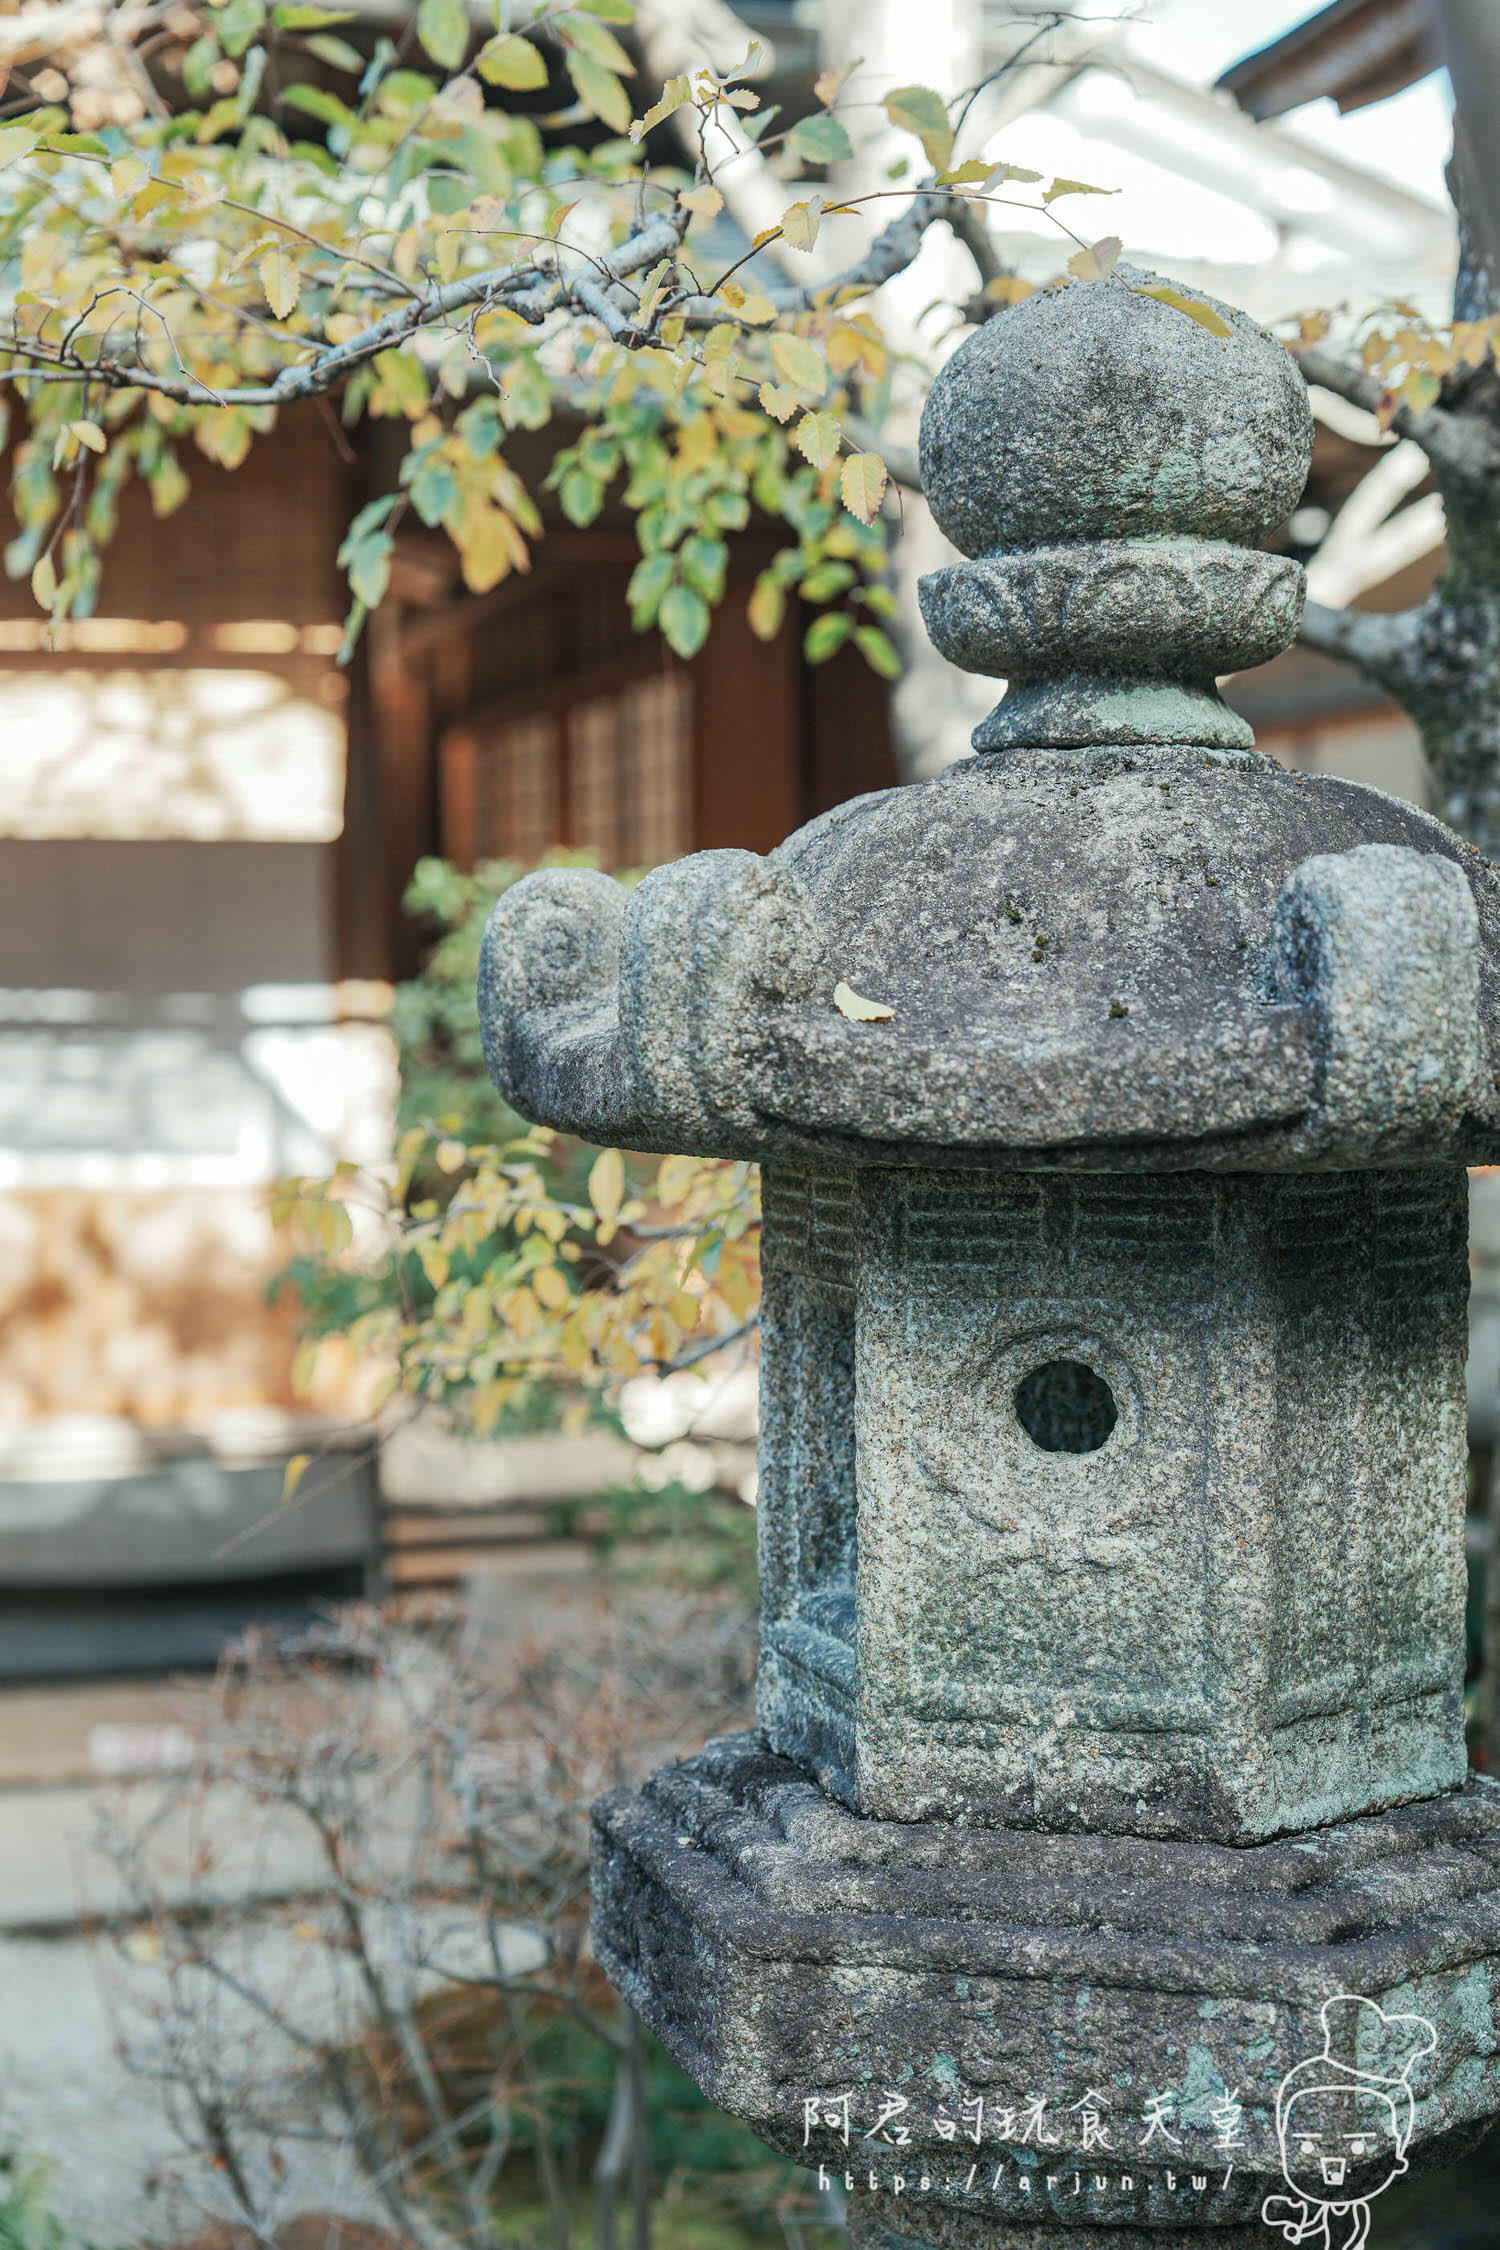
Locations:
1204 315
831 83
800 223
607 1184
1096 263
675 94
798 362
779 400
512 62
443 28
862 485
600 92
684 620
704 202
817 439
281 282
822 140
1056 188
857 1008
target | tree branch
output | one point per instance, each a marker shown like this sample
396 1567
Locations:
1378 644
523 287
1458 446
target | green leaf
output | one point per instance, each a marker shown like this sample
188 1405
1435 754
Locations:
15 141
704 565
237 22
612 11
822 140
512 62
684 620
827 579
310 19
648 582
1205 315
600 92
582 496
318 102
825 635
443 28
581 31
799 363
917 109
877 651
337 53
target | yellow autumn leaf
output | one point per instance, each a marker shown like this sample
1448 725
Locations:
817 439
1056 188
44 582
756 311
673 1180
800 223
1096 263
704 202
779 400
862 485
296 1470
510 61
859 1010
434 1260
1204 315
451 1156
674 95
89 434
830 84
797 362
281 282
607 1184
551 1289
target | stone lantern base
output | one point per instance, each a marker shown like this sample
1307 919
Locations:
817 1973
875 2223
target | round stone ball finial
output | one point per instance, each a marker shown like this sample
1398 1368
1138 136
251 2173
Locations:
1108 460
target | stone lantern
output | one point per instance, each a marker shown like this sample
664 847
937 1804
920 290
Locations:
1112 1450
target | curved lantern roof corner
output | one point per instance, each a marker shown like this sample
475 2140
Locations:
1116 936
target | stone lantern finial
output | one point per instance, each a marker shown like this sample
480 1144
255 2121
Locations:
1111 1512
1110 464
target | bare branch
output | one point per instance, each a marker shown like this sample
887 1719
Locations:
1381 646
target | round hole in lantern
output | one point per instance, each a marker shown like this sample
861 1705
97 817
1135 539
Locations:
1065 1406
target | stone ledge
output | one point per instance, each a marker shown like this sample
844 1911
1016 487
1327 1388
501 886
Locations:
782 1948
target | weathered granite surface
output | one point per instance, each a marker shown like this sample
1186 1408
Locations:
789 1953
1234 1608
1112 1454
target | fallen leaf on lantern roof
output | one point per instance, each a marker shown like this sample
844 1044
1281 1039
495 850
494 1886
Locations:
859 1010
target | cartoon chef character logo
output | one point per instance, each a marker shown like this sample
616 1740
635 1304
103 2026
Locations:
1343 2119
